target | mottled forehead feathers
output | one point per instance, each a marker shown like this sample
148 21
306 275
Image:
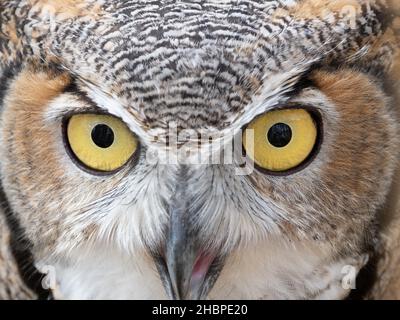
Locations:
197 63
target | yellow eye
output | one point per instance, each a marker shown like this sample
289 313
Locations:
283 139
100 142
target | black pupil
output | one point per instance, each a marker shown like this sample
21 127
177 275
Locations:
280 135
102 136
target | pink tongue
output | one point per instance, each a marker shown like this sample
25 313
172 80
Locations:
200 268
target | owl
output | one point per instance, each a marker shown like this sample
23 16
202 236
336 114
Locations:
216 149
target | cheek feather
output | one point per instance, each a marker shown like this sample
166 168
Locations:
30 138
366 139
29 144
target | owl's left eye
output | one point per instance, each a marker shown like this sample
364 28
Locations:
283 139
99 142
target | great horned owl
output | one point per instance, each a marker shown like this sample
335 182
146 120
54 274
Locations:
95 96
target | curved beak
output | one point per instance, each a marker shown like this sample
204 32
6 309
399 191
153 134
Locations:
186 270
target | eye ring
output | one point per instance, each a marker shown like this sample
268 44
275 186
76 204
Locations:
132 161
317 118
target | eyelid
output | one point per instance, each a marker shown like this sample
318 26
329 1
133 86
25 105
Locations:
67 105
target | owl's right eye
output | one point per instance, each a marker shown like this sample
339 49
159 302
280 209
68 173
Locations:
100 142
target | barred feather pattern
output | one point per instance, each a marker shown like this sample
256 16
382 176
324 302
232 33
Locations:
151 52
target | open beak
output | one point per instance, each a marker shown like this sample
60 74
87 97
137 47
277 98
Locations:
186 270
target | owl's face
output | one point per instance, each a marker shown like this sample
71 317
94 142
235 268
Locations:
284 103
